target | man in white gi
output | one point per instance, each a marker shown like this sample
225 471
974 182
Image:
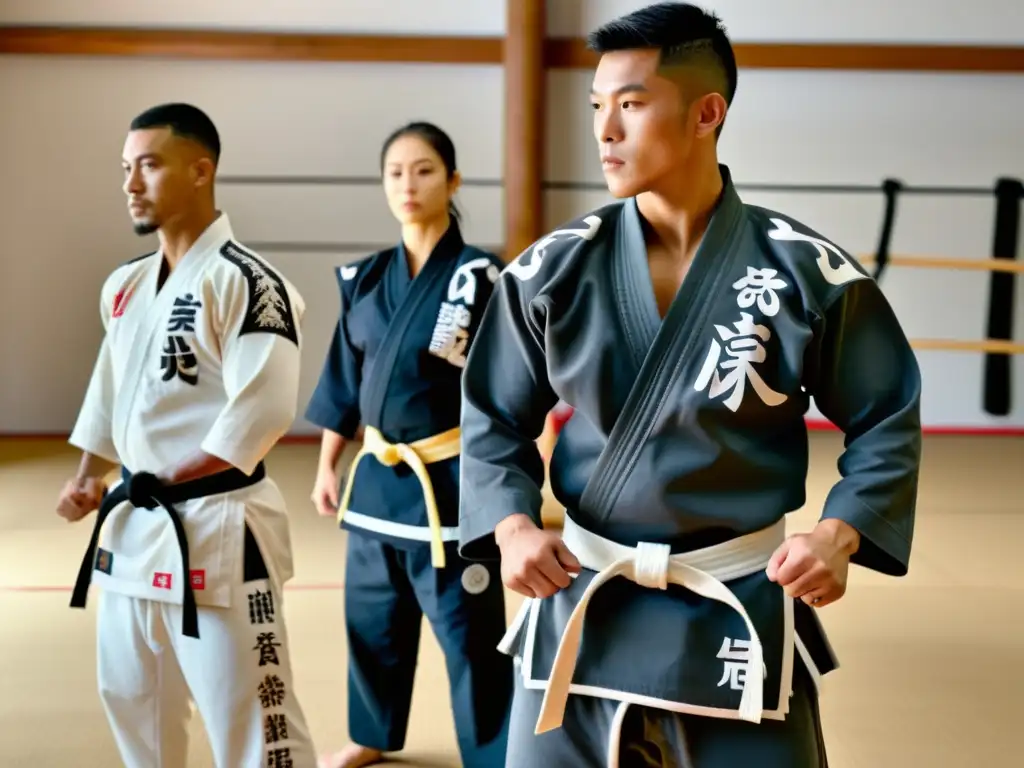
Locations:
196 379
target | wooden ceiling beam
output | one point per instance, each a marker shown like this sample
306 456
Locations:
558 53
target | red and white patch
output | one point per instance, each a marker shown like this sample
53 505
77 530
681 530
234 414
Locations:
121 301
162 580
198 579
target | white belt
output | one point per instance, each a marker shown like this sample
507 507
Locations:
655 567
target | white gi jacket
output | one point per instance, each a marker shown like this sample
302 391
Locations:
209 361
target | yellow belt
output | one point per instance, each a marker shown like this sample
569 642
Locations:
417 455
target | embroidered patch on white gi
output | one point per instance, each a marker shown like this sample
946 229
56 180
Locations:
270 307
162 580
844 273
451 333
528 263
476 578
104 560
121 300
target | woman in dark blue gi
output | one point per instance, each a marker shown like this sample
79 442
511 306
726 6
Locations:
408 316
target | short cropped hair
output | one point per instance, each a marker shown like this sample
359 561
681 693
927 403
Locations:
685 34
184 120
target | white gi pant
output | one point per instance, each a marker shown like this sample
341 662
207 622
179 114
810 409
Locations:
238 673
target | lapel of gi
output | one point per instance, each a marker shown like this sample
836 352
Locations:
670 352
427 283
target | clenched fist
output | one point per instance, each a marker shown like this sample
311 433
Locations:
534 562
813 566
80 497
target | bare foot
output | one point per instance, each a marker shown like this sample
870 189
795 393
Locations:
352 756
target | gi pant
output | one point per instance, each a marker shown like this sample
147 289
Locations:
596 734
238 674
387 592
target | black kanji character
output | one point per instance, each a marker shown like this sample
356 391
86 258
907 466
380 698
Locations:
280 758
178 360
183 316
267 645
272 691
275 728
261 608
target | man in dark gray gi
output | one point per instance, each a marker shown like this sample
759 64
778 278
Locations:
689 331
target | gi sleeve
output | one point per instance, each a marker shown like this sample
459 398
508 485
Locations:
260 336
506 397
869 385
93 430
334 405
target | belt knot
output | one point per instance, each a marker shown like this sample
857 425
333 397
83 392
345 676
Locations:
389 455
651 565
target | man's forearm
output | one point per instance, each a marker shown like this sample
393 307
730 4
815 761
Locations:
332 445
840 534
94 467
512 524
193 467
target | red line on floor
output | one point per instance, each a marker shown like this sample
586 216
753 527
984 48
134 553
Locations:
820 425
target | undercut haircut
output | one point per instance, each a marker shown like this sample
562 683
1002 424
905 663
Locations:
184 120
687 37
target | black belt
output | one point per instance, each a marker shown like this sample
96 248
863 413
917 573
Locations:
167 497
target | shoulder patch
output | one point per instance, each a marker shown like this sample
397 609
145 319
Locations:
269 307
529 262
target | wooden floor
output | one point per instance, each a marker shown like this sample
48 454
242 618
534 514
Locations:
933 664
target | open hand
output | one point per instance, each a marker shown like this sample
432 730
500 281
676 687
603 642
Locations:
325 492
814 566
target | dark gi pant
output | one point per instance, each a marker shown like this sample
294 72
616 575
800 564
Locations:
387 592
653 738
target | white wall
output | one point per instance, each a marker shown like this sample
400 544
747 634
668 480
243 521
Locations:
983 22
383 17
63 224
835 127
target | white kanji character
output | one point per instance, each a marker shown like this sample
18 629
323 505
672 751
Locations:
450 337
760 285
462 316
840 275
736 655
462 286
527 264
442 333
744 348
